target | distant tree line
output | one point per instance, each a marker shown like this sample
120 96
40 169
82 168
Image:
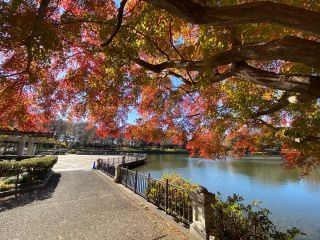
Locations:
82 135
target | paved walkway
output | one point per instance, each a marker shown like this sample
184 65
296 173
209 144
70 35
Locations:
71 162
79 205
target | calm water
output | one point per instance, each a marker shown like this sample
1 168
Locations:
293 201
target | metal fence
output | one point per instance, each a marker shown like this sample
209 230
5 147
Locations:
174 200
108 165
131 157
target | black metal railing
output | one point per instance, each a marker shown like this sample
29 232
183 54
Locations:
174 200
108 166
131 157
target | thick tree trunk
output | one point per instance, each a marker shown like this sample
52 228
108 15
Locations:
307 85
254 12
289 48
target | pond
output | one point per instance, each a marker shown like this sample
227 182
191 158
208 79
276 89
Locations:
293 201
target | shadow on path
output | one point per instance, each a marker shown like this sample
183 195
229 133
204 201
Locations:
29 197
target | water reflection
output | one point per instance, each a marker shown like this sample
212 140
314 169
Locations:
293 201
264 171
312 181
161 161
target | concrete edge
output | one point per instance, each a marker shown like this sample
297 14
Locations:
26 189
145 205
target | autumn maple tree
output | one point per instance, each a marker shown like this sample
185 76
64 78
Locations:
197 71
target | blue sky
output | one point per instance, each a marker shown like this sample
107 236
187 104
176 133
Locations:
132 116
118 2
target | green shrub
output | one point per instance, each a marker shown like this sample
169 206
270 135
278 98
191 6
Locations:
233 220
32 168
177 201
72 151
177 180
230 219
6 186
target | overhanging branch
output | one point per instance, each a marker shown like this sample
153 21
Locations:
289 48
303 84
118 26
282 103
253 12
178 64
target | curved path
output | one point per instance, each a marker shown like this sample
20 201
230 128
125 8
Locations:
80 205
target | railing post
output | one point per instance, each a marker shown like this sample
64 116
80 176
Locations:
167 195
16 185
159 194
17 181
148 187
135 181
22 142
126 176
202 217
117 176
99 163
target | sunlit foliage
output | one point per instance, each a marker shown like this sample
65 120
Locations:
191 78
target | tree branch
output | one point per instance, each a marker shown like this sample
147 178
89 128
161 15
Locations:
254 12
172 43
118 26
152 41
303 84
260 121
29 41
289 48
311 139
179 64
186 81
282 103
177 51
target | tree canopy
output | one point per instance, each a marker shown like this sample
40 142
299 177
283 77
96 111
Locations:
202 71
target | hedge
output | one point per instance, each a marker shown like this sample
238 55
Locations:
35 167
